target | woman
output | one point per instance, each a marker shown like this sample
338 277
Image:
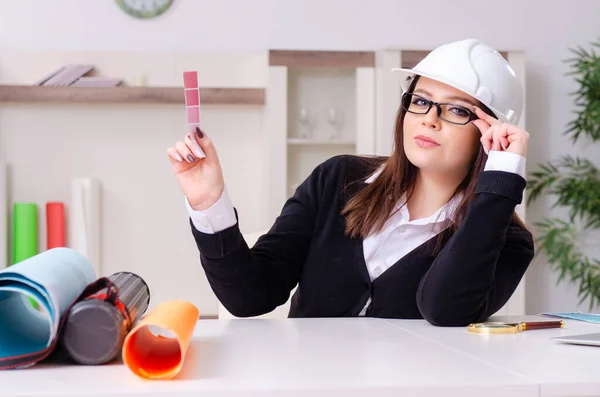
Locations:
429 232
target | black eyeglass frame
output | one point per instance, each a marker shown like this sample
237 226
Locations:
430 104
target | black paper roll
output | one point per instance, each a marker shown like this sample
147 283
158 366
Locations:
96 326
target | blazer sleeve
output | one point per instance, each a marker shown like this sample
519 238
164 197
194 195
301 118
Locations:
254 281
481 265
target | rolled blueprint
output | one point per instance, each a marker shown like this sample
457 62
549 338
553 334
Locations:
84 220
156 347
53 280
55 225
25 231
97 325
4 261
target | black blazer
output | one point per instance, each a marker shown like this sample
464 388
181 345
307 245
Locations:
472 277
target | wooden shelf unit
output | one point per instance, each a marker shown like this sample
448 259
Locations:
124 94
322 59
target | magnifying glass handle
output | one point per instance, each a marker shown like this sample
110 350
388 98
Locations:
530 325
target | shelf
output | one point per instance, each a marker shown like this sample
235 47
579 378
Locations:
301 141
322 59
124 94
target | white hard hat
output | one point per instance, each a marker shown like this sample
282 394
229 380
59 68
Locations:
476 69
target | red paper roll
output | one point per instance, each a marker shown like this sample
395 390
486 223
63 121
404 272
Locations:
55 220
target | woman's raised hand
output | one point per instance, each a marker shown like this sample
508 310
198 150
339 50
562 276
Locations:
197 170
499 136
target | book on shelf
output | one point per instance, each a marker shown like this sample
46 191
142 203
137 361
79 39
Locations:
51 75
97 81
65 76
75 75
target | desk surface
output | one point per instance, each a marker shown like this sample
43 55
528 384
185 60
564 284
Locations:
342 357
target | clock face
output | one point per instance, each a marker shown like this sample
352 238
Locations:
144 9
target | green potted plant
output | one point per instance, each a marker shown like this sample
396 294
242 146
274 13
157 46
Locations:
574 183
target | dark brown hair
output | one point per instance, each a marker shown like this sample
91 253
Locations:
369 209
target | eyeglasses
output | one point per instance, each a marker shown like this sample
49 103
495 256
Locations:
449 112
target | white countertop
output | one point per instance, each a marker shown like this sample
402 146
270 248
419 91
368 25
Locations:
341 357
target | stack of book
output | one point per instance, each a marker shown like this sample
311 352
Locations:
75 75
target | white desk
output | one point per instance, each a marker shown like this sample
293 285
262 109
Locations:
341 357
558 369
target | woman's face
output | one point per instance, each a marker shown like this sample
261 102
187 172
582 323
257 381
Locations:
436 145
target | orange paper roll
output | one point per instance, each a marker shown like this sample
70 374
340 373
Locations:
156 347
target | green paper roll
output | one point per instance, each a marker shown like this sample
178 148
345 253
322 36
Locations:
25 239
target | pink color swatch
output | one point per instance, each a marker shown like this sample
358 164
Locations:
192 106
192 128
191 97
190 79
193 114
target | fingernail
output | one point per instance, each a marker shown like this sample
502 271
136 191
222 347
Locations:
197 149
178 157
487 152
199 133
190 158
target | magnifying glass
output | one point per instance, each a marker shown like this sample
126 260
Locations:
494 327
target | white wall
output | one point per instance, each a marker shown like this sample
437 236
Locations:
543 29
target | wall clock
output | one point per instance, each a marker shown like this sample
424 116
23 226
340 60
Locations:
144 9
